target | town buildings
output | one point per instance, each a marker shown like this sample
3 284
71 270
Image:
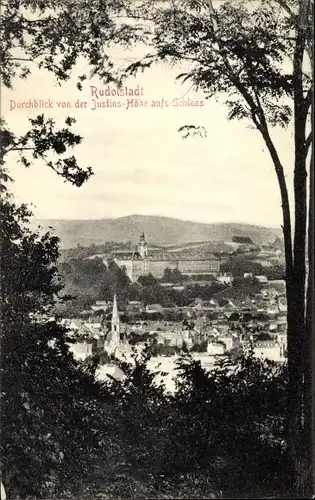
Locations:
212 327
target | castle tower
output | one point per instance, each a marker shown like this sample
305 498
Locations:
142 247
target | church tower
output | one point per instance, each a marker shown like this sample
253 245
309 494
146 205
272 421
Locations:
115 332
143 247
114 344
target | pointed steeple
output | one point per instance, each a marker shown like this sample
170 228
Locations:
115 321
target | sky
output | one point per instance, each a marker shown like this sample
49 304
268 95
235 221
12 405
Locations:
141 163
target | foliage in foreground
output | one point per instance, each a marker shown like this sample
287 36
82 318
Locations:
225 424
45 397
221 432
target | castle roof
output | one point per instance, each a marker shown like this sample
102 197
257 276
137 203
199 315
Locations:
127 255
161 256
189 257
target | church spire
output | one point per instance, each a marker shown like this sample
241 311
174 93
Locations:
115 321
112 341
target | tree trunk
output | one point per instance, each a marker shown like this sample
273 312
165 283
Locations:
308 355
298 327
298 340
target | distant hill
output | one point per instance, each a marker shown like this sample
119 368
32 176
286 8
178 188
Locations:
158 230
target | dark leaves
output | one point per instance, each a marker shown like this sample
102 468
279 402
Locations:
193 130
250 52
42 141
237 110
54 34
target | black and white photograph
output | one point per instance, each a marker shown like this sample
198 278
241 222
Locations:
157 249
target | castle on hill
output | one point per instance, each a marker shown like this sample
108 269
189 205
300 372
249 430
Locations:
141 262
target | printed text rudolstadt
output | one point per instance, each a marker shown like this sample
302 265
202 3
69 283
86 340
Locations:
108 98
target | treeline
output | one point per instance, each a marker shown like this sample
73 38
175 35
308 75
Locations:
88 280
239 265
83 252
243 239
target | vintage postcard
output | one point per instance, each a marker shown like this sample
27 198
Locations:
157 249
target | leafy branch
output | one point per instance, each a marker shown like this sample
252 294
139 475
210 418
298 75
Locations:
42 140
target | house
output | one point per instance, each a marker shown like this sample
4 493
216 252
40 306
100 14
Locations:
230 341
215 348
272 310
220 330
93 326
269 350
134 306
154 308
225 279
175 338
207 305
99 307
248 275
262 279
101 303
273 326
79 329
82 349
84 336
